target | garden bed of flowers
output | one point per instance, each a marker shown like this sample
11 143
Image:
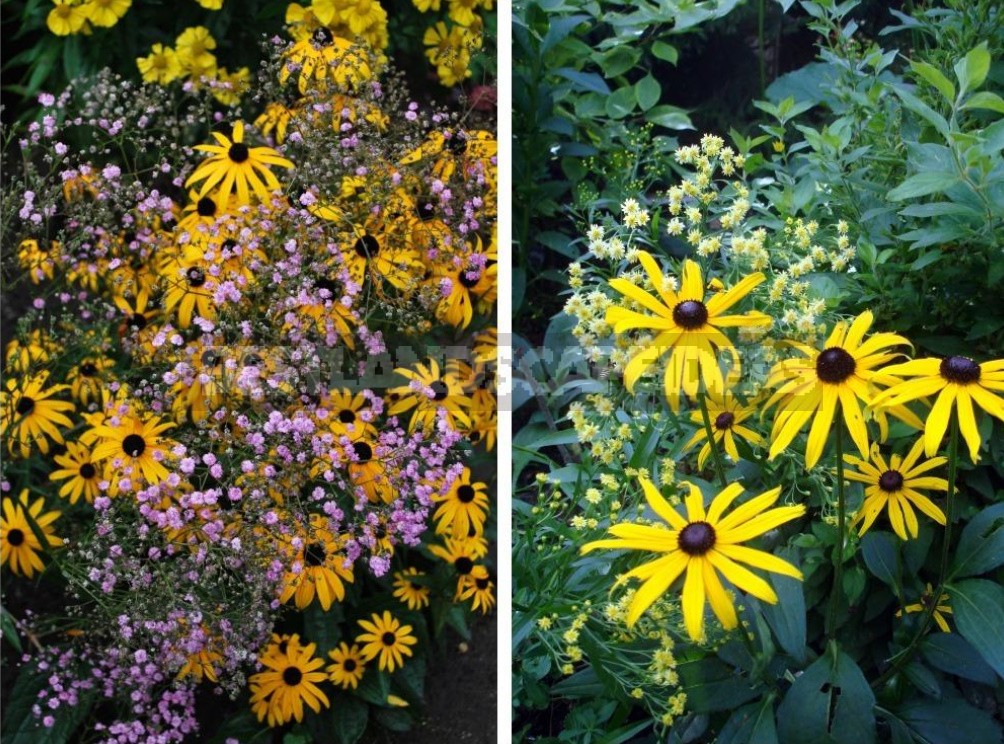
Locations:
760 469
248 407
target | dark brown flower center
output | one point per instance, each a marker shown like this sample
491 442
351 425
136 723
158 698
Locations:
211 358
25 406
834 365
466 494
388 638
465 277
138 321
87 471
238 152
133 445
292 676
426 208
481 583
363 451
439 390
196 277
367 246
697 538
724 421
891 481
88 369
690 314
960 369
206 207
346 416
349 665
464 565
15 537
314 554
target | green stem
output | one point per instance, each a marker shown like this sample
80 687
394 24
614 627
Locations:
901 659
838 552
715 453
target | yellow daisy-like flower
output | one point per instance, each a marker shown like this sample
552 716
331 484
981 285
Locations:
193 49
235 166
27 415
387 639
414 595
81 474
940 609
289 680
135 443
322 568
894 486
19 546
704 544
105 13
687 327
811 386
464 508
66 18
727 415
347 665
447 393
479 588
957 380
161 66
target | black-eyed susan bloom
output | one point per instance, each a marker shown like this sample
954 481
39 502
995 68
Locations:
687 327
941 608
414 595
135 444
704 544
959 383
479 588
895 486
289 680
319 568
463 509
810 386
29 416
235 167
19 545
347 665
387 640
727 415
430 391
81 473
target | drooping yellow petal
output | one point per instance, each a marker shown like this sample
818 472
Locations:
693 600
937 420
670 568
718 598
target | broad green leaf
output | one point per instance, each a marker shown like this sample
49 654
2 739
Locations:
829 703
20 726
923 184
712 685
618 61
925 112
787 617
972 70
648 92
583 684
879 549
345 721
949 722
621 103
978 606
323 627
953 654
559 29
935 77
985 100
585 80
750 724
665 51
670 117
923 679
981 547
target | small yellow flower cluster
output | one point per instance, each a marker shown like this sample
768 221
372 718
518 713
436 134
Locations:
75 17
450 48
192 59
634 215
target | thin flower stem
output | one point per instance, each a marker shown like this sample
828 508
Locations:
838 552
715 453
901 659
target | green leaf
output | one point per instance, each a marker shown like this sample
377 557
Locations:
829 703
583 684
618 61
344 722
588 81
621 103
923 184
559 29
985 100
665 51
20 726
243 727
923 679
8 630
981 547
751 724
787 617
953 654
978 606
323 627
648 92
925 112
935 77
712 685
949 722
394 719
669 117
972 70
879 549
374 686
